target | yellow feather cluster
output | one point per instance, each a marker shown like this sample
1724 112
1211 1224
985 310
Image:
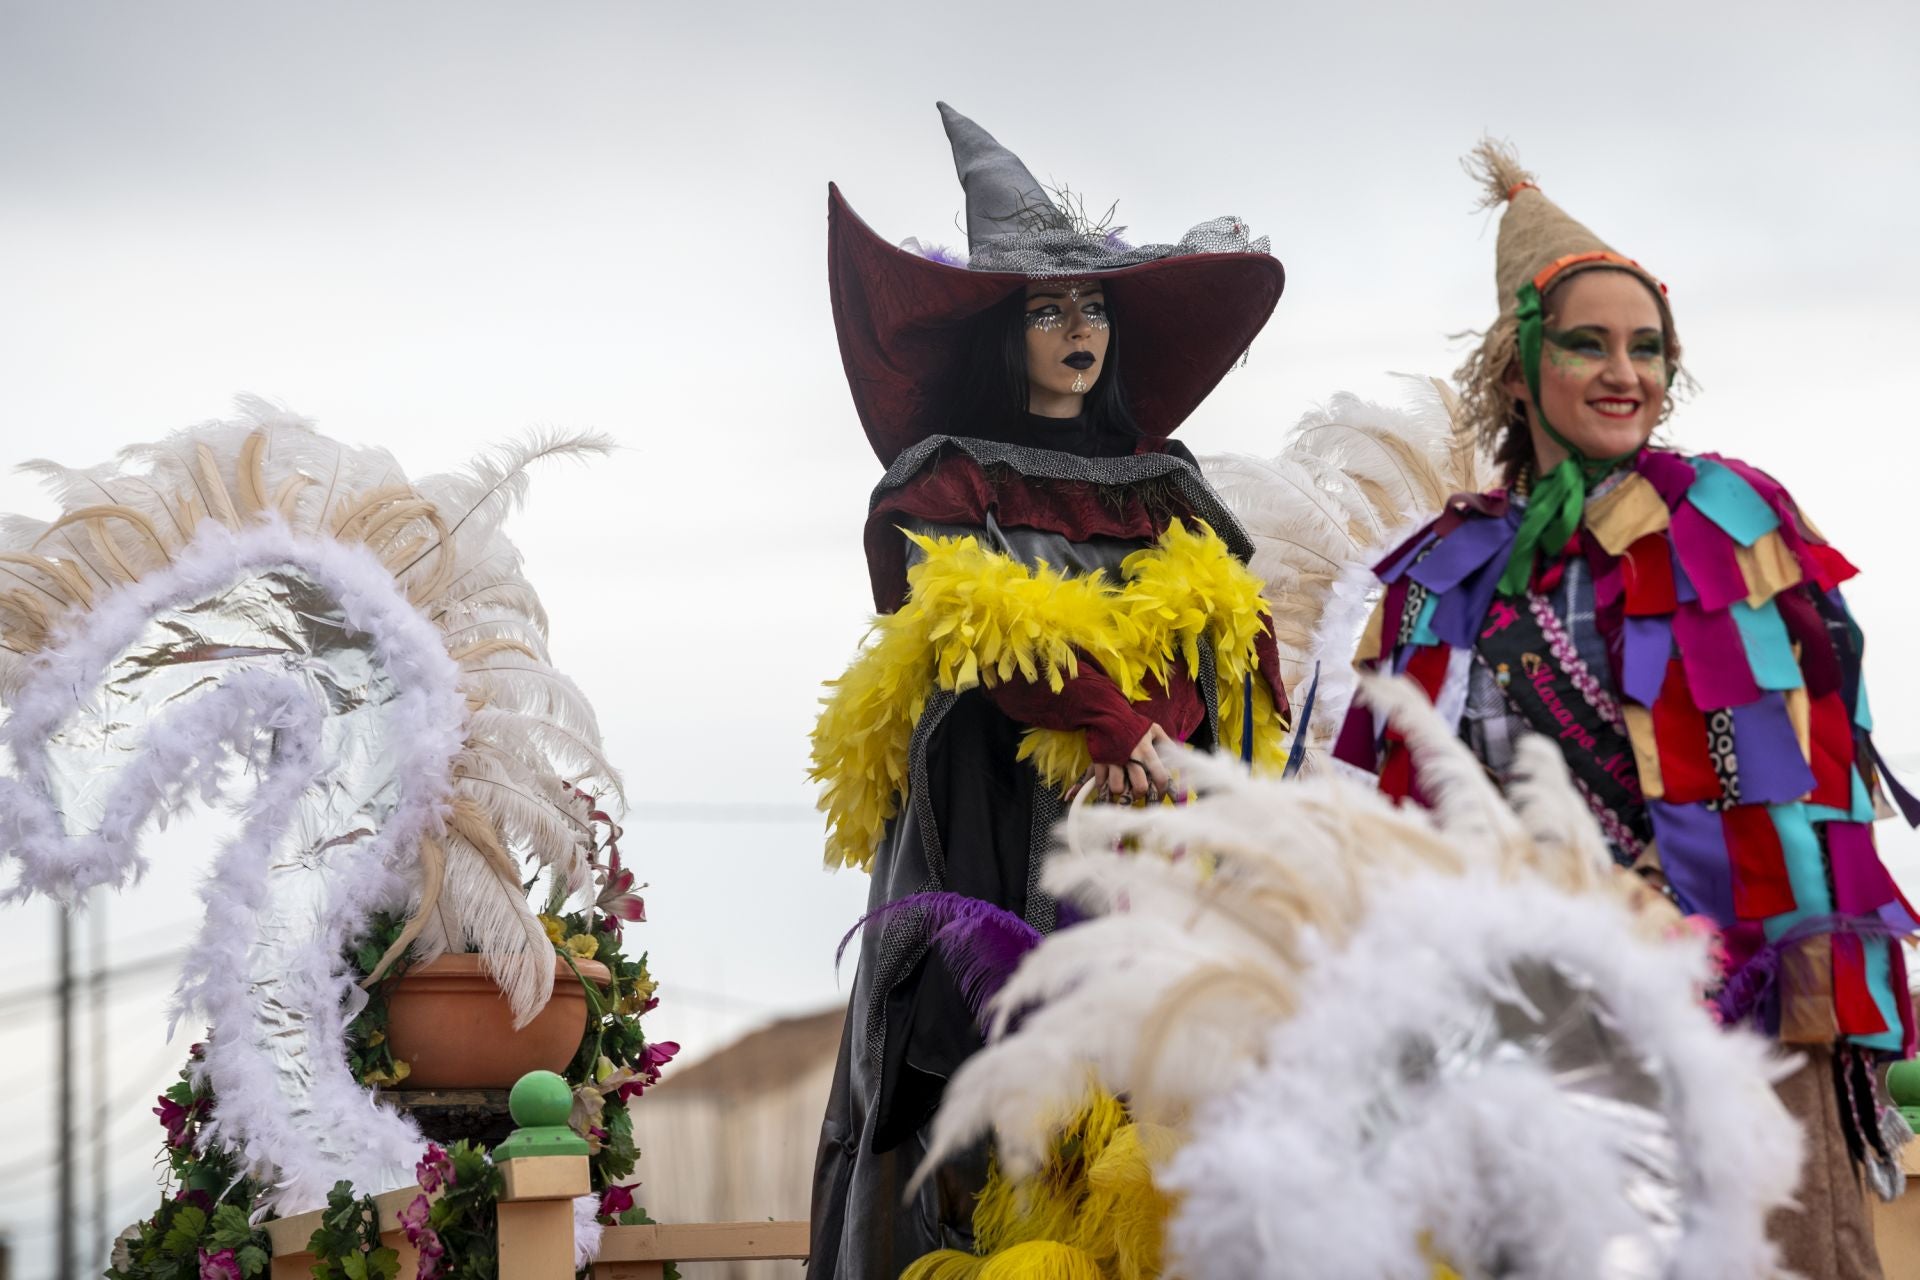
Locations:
976 617
1090 1213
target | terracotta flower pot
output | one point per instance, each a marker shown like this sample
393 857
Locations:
452 1026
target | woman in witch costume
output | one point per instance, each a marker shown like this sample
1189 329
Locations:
1675 623
1057 590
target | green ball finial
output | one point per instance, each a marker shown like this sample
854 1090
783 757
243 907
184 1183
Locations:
1903 1082
540 1099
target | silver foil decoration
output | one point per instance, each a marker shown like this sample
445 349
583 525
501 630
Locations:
262 676
1548 1019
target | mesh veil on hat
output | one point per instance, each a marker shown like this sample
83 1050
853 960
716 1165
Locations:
1186 312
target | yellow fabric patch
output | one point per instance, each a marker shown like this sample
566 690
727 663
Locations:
1370 638
1627 513
1646 755
975 617
1768 566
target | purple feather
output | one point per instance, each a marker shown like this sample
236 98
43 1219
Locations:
981 944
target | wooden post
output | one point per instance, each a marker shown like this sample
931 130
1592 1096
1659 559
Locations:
544 1166
536 1215
289 1237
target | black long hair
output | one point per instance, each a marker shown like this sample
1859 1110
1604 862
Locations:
992 396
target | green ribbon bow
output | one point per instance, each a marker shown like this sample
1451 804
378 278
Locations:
1558 498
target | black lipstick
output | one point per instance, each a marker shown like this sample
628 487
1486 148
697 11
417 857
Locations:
1079 360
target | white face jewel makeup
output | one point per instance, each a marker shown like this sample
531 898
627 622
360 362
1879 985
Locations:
1079 382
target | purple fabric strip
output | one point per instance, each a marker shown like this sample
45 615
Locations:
1706 551
1355 744
1682 585
1897 918
1909 805
1861 884
1390 569
1462 611
1669 473
1693 853
1714 657
1643 663
1461 552
1772 770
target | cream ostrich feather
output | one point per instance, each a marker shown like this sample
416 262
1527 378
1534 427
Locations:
1354 479
422 763
1290 974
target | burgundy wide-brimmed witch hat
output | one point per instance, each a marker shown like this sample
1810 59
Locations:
1188 311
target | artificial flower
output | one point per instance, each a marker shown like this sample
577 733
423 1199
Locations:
556 928
584 946
616 1200
219 1266
435 1169
647 1070
177 1119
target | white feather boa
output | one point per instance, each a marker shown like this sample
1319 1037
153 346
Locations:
474 739
336 1131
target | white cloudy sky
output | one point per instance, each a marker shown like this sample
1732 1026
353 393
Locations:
437 225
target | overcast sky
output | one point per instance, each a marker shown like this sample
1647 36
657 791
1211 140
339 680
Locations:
435 225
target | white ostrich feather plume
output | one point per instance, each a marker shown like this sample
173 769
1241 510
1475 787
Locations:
1355 479
1260 962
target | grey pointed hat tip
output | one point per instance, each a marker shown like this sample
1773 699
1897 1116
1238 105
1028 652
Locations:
998 186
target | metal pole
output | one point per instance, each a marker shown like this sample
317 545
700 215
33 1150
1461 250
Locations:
63 1138
97 1034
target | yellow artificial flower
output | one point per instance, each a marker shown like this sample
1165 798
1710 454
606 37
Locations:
556 928
584 946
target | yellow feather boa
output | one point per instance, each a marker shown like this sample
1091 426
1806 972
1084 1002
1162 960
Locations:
976 617
1090 1213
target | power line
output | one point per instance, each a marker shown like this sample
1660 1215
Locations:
147 968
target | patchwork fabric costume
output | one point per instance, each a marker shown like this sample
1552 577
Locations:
1676 624
1045 593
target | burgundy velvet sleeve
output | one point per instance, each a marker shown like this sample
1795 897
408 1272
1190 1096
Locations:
1088 701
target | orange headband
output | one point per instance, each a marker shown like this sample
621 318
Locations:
1554 268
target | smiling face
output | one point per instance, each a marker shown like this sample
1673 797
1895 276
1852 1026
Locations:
1067 337
1603 368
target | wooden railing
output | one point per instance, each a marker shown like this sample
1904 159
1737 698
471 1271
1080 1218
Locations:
536 1232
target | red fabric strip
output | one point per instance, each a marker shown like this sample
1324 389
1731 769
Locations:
1680 736
1853 1002
1648 571
1832 741
1761 887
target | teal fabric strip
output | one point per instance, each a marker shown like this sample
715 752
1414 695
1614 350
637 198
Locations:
1860 806
1730 502
1863 713
1423 625
1769 648
1806 868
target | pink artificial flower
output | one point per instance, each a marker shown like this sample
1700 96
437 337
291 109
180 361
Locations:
219 1266
435 1169
176 1118
617 900
413 1218
197 1198
654 1057
615 1201
433 1255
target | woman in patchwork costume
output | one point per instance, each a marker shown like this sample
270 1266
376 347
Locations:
1675 623
1058 589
